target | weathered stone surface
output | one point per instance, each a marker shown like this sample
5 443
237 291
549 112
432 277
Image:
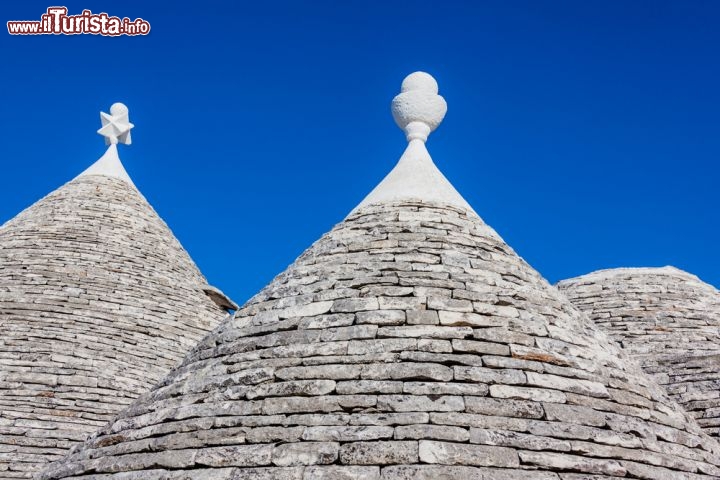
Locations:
572 462
422 317
285 405
337 472
574 414
447 453
480 347
382 317
526 393
98 301
404 418
445 388
433 432
355 305
235 456
437 346
347 434
489 375
668 321
408 371
521 387
271 434
306 453
327 321
585 387
422 403
369 386
503 407
446 472
379 453
283 473
299 387
508 438
503 335
466 318
331 372
307 310
425 331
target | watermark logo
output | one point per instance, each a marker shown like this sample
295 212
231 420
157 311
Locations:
56 21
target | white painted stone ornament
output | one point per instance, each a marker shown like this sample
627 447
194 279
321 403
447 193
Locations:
418 110
115 128
116 125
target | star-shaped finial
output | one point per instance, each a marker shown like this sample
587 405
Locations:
116 125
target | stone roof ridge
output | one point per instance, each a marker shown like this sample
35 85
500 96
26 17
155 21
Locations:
667 270
418 110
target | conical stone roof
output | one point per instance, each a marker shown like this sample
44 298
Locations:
667 320
409 343
98 301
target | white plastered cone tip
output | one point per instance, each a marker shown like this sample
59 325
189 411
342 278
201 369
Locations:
109 165
115 128
418 110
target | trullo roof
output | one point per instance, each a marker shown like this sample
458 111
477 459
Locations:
669 322
408 343
98 301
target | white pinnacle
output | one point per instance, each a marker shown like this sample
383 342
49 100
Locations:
418 110
116 125
116 129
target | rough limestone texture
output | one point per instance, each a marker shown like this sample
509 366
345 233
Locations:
669 321
98 302
409 343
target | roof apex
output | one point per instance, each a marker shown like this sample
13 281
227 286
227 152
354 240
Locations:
418 110
110 166
607 273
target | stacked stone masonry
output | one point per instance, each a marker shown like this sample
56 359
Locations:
667 320
98 302
409 343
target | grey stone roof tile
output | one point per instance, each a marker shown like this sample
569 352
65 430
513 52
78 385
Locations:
669 322
98 301
516 383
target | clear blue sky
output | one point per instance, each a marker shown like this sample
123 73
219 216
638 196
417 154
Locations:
587 133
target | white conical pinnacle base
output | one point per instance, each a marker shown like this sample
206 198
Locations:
418 110
110 166
415 177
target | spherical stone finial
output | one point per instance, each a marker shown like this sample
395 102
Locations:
419 81
118 109
418 109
